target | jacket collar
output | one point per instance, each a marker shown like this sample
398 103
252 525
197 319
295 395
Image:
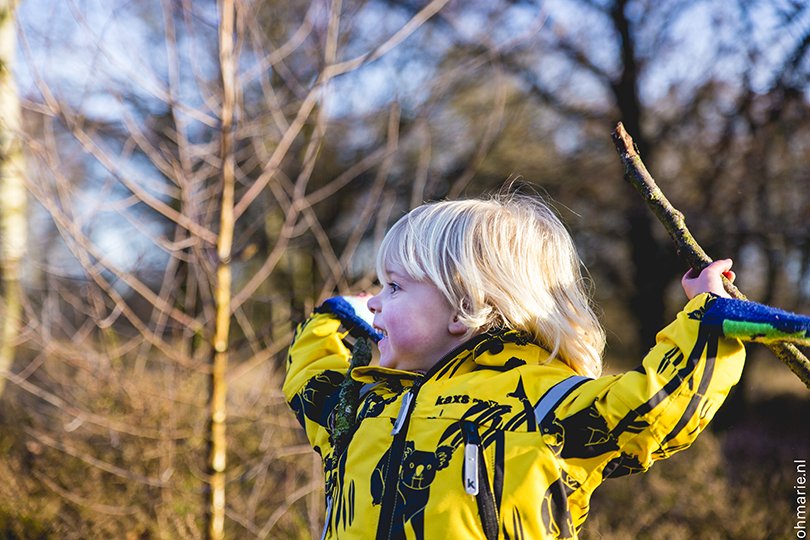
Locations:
498 349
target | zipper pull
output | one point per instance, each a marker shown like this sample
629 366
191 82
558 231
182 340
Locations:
403 412
471 450
471 468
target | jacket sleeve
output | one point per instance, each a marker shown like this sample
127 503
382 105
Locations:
317 362
621 424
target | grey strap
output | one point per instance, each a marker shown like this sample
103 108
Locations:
555 395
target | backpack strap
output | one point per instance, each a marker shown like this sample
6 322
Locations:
554 395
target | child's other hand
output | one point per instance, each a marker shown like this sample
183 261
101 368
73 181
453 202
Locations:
359 303
709 280
354 313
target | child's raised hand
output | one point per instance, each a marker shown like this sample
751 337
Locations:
710 279
359 303
354 313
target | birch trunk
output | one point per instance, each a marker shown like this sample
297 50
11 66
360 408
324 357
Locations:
218 441
13 237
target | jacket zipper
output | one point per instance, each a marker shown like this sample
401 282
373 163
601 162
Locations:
476 481
404 410
391 481
400 432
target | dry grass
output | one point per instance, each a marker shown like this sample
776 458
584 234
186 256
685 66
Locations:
124 456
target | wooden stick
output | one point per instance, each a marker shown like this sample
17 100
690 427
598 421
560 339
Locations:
639 177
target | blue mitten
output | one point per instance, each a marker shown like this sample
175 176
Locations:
354 314
750 321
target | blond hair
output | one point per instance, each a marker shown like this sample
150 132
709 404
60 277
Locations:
502 262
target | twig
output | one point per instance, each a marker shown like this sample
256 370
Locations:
345 418
636 173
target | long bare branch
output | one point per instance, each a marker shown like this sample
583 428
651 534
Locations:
95 462
399 36
639 177
81 415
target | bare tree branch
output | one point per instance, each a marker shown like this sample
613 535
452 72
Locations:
636 173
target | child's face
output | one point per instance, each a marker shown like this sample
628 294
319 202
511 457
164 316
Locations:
418 323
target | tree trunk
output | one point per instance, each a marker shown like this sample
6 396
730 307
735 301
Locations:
218 442
13 231
652 264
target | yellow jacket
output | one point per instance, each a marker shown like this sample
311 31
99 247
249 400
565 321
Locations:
496 441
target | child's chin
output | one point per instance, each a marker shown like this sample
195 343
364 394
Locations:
386 359
388 363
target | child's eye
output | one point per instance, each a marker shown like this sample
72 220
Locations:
394 287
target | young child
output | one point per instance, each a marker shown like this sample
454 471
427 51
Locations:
487 416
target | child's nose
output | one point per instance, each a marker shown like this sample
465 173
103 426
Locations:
373 304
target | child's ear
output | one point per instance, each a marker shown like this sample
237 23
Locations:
456 327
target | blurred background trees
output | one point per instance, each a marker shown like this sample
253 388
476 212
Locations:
346 114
